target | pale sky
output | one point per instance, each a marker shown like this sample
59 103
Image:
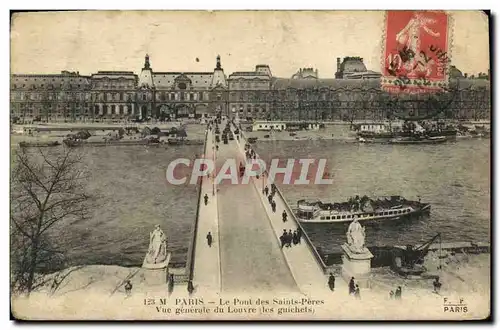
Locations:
285 40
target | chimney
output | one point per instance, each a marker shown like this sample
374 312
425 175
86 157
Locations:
338 64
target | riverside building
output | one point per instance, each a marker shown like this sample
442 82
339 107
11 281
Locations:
118 96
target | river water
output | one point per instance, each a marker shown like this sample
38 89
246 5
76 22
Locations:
132 195
453 177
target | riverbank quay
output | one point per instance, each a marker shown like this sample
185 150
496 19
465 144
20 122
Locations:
97 292
100 134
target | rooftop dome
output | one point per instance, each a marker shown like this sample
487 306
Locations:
353 64
455 73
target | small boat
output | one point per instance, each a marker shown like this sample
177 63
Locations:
376 135
363 140
419 140
363 209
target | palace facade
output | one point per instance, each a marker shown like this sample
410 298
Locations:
123 95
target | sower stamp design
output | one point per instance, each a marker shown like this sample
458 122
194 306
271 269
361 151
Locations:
415 51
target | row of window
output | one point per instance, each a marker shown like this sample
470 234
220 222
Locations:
243 85
61 96
182 96
118 85
113 109
366 215
48 86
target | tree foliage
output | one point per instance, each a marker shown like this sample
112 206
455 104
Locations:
47 189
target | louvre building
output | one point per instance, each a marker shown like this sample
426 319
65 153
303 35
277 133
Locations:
354 93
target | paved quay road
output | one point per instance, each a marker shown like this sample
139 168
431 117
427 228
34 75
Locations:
251 258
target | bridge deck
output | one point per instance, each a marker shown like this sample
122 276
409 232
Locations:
251 258
306 271
206 275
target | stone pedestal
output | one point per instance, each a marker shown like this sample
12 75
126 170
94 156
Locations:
156 274
357 265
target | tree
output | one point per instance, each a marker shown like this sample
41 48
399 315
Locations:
47 190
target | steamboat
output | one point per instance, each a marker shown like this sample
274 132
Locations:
363 209
406 131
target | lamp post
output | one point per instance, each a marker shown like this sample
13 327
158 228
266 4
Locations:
214 151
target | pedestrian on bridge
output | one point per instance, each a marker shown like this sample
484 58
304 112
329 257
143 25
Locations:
209 239
206 199
289 238
357 294
352 286
284 216
331 282
283 239
270 199
437 285
266 190
170 284
397 295
190 287
273 206
299 233
295 238
128 288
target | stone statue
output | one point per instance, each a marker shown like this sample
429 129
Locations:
356 237
157 252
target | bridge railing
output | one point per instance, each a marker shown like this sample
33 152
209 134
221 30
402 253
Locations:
317 256
310 245
194 231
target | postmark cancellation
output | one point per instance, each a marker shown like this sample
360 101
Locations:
416 55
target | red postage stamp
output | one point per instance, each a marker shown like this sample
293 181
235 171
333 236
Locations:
415 57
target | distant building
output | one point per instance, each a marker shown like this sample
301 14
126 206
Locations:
248 92
306 73
262 125
354 68
252 95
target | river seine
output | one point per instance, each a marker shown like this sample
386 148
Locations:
133 195
453 177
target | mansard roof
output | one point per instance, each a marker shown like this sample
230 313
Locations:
49 81
116 72
284 83
168 79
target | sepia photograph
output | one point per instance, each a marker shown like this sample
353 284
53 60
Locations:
250 165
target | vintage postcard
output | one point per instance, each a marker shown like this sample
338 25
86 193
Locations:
250 165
